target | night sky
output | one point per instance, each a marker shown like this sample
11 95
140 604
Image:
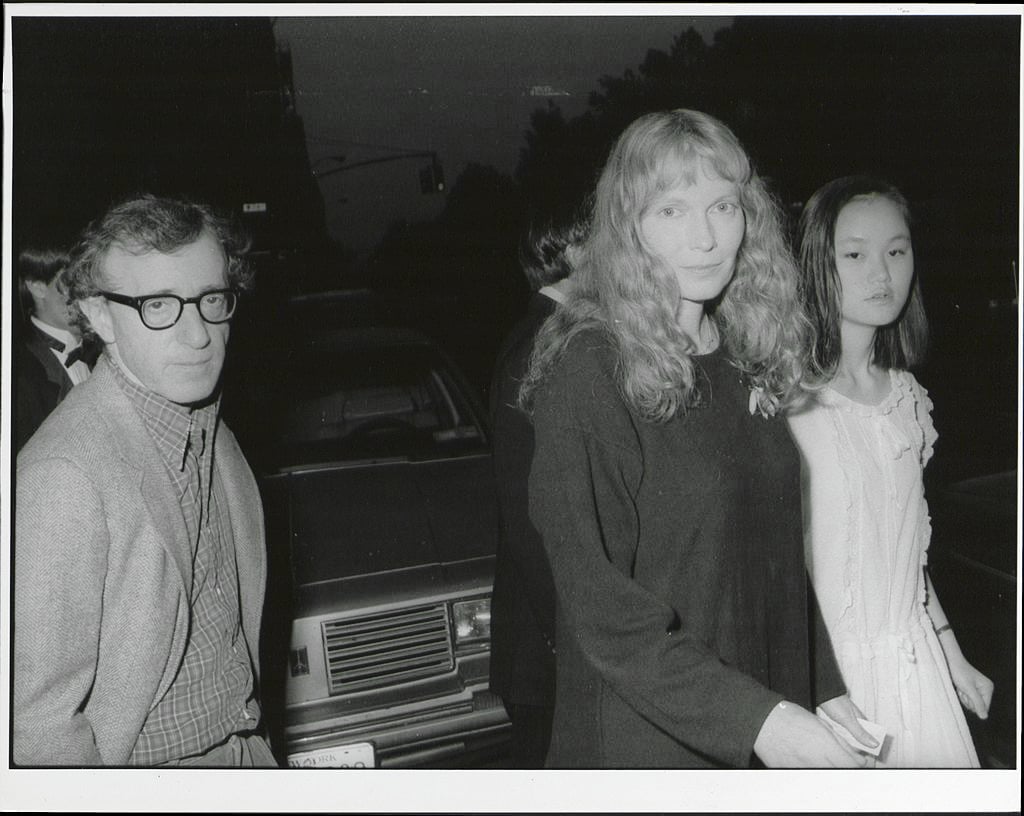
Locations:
462 86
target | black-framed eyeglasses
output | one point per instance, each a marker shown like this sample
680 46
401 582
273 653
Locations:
163 311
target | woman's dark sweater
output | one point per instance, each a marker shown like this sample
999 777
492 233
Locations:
677 554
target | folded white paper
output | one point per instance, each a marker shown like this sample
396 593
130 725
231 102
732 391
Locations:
874 729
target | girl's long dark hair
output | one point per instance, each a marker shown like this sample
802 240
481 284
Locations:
900 345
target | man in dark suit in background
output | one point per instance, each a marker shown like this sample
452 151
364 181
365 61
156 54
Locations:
51 359
522 606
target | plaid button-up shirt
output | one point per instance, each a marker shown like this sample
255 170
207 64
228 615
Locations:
212 696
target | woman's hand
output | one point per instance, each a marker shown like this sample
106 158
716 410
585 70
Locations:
843 711
792 737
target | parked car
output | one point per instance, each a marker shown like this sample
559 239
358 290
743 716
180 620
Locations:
382 525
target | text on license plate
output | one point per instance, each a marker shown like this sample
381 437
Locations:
356 755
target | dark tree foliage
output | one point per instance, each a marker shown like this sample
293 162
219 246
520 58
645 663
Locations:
930 102
457 278
464 248
561 160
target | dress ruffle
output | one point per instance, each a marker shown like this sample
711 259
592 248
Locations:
922 413
880 414
927 438
903 386
898 390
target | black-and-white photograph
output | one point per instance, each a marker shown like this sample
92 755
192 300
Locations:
572 395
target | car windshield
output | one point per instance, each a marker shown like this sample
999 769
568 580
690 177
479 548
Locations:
347 404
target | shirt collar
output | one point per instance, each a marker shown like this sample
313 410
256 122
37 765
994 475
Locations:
67 338
553 293
171 425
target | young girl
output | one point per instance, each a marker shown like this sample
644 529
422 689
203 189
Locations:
666 491
865 440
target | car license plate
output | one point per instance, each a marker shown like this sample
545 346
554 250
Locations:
357 755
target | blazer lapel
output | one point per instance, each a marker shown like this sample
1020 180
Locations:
137 449
243 510
156 488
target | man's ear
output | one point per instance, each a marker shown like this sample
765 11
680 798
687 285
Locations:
37 289
97 311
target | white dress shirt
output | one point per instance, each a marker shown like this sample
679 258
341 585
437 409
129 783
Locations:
77 371
553 293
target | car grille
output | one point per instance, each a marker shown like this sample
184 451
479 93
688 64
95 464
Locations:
383 649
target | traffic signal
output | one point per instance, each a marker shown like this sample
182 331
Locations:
432 177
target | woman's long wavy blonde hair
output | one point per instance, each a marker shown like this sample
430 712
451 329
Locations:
623 289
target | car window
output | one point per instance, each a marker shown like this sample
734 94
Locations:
372 403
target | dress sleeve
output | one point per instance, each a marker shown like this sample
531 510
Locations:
586 471
923 408
59 567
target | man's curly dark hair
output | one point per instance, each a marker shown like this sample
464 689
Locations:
148 223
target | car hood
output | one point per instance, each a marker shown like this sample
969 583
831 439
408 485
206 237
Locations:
376 518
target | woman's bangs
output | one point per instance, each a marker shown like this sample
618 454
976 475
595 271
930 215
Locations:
688 160
681 165
728 162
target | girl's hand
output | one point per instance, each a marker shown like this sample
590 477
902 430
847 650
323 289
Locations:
843 711
972 687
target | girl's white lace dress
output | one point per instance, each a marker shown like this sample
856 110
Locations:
867 531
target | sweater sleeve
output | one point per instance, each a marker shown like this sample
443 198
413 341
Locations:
586 473
59 567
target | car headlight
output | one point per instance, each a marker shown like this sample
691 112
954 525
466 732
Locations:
472 621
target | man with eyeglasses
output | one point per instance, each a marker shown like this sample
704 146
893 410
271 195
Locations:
138 595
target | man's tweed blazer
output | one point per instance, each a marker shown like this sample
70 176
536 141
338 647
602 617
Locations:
103 575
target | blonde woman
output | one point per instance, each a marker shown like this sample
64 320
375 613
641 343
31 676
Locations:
664 481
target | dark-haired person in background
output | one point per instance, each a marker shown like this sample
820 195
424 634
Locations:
51 359
138 596
522 607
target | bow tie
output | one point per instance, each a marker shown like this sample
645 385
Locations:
88 352
76 354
